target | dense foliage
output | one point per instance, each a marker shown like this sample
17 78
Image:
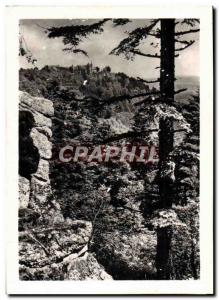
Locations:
120 200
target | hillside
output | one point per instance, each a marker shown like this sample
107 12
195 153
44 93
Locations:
84 79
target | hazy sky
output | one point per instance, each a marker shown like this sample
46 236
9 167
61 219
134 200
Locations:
49 51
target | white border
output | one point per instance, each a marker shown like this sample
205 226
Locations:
202 286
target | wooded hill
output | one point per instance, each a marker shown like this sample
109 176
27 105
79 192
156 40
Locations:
87 79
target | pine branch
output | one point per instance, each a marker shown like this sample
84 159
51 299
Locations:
72 35
134 39
120 22
190 22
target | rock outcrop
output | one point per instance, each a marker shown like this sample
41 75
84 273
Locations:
40 193
50 246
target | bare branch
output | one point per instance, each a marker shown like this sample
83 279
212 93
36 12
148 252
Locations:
186 32
182 42
132 209
180 130
129 134
188 45
31 236
41 26
133 134
157 35
180 91
76 51
129 97
145 54
148 81
155 101
69 257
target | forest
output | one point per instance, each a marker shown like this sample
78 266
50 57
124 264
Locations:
144 217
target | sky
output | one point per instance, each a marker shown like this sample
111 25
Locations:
49 51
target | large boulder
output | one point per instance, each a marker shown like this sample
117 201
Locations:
44 245
128 256
36 104
59 252
85 267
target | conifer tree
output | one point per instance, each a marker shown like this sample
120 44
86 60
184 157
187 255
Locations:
169 37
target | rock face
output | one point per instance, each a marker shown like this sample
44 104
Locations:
50 247
40 198
24 192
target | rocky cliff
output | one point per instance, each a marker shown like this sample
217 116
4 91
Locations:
50 247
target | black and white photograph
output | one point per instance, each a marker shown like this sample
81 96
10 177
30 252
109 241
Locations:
108 150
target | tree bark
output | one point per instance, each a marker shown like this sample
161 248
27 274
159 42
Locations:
167 60
166 136
163 249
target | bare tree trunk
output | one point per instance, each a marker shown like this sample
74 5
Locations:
166 136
